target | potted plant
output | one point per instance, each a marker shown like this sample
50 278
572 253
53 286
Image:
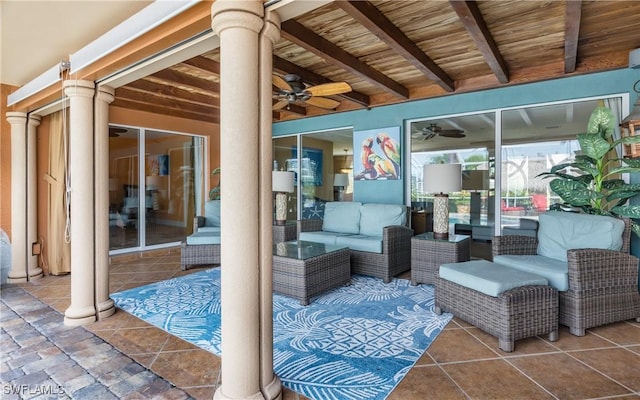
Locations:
214 193
594 186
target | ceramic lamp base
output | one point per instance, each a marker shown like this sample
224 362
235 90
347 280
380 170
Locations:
441 216
281 208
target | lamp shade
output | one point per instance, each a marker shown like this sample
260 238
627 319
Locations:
475 179
341 180
152 182
282 181
113 184
442 178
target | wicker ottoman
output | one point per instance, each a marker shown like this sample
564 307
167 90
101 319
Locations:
526 309
201 248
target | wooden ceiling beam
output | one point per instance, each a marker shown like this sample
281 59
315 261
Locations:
371 18
182 79
297 33
204 65
287 67
573 14
472 19
174 93
144 97
152 108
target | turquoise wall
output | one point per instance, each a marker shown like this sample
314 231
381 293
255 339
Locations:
599 84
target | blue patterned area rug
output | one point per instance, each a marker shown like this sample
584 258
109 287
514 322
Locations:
353 342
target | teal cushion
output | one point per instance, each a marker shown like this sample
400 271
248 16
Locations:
209 229
372 244
556 271
212 213
318 237
374 217
562 231
342 217
203 238
487 277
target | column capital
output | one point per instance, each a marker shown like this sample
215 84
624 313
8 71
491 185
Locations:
16 117
237 14
79 88
272 26
105 93
34 119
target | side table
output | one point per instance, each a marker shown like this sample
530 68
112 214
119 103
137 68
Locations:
428 253
286 232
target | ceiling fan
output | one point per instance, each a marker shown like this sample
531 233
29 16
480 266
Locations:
429 132
291 89
116 132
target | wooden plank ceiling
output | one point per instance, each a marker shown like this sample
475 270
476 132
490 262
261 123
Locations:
395 51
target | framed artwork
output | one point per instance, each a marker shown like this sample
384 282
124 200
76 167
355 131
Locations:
311 171
377 154
158 164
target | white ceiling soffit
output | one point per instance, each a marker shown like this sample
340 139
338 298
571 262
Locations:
146 19
288 9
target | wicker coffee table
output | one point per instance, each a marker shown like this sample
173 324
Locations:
304 269
428 253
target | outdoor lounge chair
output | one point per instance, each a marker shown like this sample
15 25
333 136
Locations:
597 286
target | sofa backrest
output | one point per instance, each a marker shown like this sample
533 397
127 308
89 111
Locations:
342 217
561 231
212 213
374 217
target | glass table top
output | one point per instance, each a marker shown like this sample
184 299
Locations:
452 238
301 250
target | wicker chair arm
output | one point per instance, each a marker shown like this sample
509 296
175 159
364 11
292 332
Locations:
198 221
514 244
592 269
309 225
395 237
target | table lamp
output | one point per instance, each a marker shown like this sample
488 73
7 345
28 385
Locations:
441 179
474 181
282 183
340 181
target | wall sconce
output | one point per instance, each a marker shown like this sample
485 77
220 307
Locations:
441 179
282 183
340 181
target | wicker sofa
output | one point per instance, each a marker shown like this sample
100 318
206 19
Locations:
378 236
586 258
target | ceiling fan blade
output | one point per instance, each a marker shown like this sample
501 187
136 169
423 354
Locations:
328 89
281 83
453 133
280 104
323 102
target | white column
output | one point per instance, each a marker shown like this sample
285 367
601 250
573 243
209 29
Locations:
34 271
269 383
104 304
18 272
237 23
82 309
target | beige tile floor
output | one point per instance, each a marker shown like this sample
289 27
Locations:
462 363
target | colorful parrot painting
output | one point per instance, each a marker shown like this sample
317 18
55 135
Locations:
383 166
391 150
368 172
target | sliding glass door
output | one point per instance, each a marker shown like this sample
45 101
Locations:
153 202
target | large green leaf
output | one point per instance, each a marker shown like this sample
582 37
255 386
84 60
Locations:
601 121
632 162
593 145
627 211
574 193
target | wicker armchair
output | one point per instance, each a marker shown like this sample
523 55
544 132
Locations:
394 259
603 284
